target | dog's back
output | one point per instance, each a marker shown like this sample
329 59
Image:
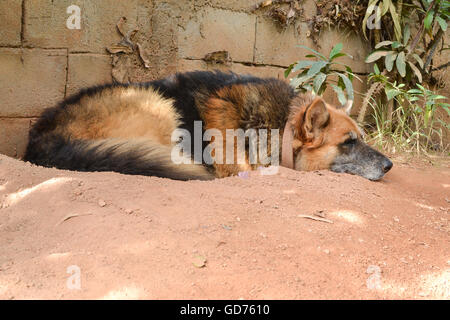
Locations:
127 127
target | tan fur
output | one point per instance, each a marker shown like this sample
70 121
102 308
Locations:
221 114
125 113
318 150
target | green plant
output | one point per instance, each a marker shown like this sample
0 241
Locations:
316 75
413 124
400 55
406 59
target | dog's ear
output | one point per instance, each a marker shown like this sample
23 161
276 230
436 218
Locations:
316 118
347 107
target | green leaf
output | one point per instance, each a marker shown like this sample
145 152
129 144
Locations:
436 97
416 71
389 60
406 34
376 69
385 7
340 94
442 23
414 91
383 43
400 64
341 54
418 59
316 67
348 85
341 84
350 72
374 56
428 20
396 20
302 64
300 80
318 81
396 45
288 70
391 93
336 49
421 87
317 54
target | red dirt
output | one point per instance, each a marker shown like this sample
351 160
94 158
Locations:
146 237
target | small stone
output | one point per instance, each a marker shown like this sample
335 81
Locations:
422 294
101 203
128 211
199 262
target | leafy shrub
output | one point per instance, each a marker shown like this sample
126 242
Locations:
316 75
414 124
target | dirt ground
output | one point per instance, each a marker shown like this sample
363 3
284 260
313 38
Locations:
293 235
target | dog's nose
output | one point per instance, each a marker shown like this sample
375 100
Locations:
387 165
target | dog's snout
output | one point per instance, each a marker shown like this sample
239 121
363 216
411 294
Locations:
387 165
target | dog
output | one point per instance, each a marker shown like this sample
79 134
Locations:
128 128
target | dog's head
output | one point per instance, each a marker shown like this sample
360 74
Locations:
325 137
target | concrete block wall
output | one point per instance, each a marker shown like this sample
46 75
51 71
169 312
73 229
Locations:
42 61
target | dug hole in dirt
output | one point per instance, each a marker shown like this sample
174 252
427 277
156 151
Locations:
293 235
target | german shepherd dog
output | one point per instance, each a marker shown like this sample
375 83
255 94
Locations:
127 128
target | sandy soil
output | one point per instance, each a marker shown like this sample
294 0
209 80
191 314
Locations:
249 238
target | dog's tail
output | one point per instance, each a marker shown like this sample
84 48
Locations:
139 157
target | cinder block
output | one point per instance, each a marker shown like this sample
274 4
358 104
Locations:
45 23
14 136
278 46
236 5
31 80
185 65
358 48
216 29
162 48
10 22
258 71
86 70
